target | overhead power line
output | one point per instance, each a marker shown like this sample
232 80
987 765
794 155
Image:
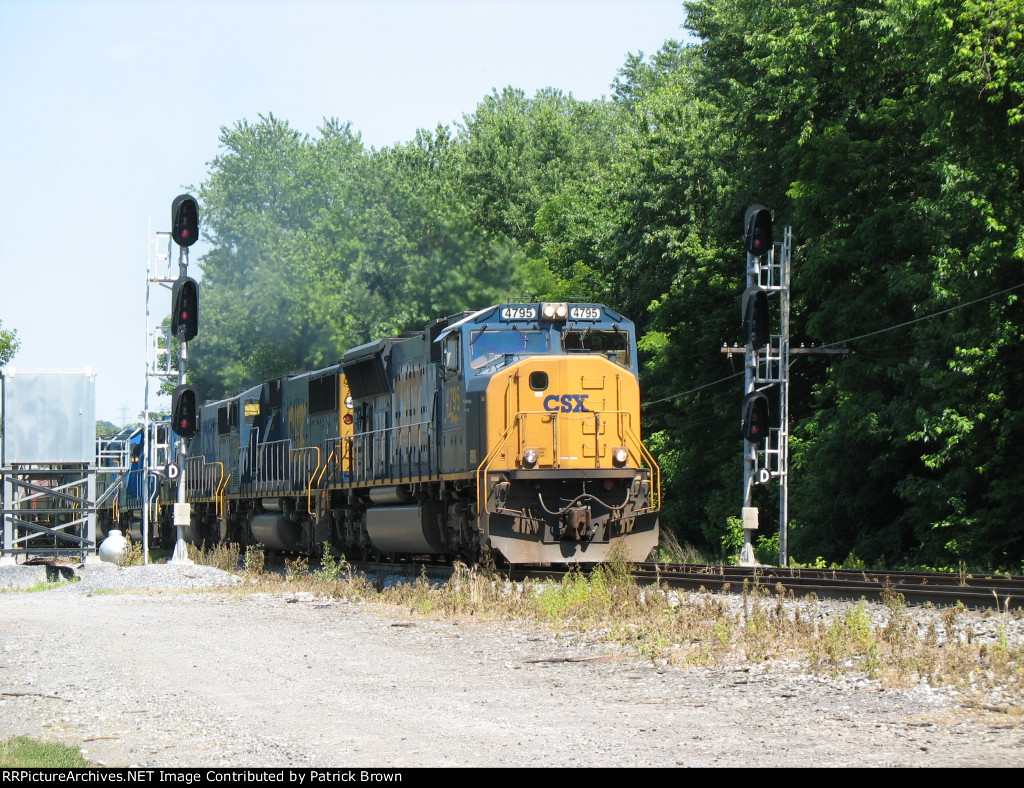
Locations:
926 317
853 339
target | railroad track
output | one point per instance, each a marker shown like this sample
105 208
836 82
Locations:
977 591
937 588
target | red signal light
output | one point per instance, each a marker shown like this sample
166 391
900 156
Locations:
184 220
755 417
185 305
758 228
183 411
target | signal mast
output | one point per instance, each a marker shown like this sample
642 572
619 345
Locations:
766 366
184 327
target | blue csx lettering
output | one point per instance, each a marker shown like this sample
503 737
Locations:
567 403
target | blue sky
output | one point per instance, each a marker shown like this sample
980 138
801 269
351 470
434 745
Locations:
111 109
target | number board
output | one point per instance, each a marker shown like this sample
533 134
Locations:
584 313
518 313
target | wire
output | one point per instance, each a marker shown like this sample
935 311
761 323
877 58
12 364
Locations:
691 391
852 339
926 317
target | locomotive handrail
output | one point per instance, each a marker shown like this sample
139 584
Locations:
336 455
403 452
333 447
220 497
481 471
201 477
270 466
312 475
277 463
653 465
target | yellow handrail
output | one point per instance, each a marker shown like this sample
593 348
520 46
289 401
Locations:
482 469
219 494
313 477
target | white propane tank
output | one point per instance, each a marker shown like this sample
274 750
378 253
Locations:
112 548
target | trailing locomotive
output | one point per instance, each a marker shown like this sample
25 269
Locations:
514 428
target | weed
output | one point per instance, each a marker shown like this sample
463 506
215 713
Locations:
255 559
21 752
669 550
39 585
220 556
687 628
332 568
295 568
132 555
651 643
851 636
766 551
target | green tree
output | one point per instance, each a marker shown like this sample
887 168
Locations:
9 344
274 261
893 128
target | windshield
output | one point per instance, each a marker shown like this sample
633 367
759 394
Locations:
614 345
489 345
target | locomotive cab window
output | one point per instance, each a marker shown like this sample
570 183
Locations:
451 355
227 419
503 346
614 345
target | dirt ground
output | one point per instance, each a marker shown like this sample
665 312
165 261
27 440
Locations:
193 680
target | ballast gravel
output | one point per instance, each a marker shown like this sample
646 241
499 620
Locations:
158 677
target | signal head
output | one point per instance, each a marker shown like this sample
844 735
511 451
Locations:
757 224
185 220
184 413
755 417
755 317
185 308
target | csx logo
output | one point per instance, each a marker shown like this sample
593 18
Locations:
567 403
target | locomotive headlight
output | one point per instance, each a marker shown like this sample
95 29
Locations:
530 458
619 456
554 311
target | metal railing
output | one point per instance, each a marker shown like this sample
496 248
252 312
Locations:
404 453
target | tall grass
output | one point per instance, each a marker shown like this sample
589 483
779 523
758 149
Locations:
678 628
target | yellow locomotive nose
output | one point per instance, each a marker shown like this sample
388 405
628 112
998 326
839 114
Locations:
563 412
565 474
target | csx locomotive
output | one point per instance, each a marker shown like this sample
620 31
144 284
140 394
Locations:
514 428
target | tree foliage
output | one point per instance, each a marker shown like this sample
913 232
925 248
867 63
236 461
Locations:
9 344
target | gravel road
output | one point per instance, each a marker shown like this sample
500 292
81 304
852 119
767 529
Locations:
225 679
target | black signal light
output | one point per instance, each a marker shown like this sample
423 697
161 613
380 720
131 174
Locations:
185 220
184 413
755 318
185 309
755 417
758 228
